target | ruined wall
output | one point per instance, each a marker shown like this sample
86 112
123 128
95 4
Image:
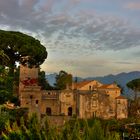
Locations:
90 100
50 100
121 108
88 105
67 102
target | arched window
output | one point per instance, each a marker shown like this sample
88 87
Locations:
48 111
36 101
31 96
89 87
70 111
94 114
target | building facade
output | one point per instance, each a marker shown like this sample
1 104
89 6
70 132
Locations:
84 99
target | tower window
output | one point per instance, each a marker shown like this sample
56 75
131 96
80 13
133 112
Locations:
48 111
36 101
31 96
89 87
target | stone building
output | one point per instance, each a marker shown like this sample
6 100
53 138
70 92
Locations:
84 99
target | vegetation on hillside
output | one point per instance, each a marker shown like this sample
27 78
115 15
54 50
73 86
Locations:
29 128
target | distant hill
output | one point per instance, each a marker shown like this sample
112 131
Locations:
51 78
121 79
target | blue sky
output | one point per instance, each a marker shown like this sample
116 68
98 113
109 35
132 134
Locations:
82 37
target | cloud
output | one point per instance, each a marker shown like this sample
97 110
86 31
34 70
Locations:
76 66
133 5
125 63
69 33
76 39
136 54
93 33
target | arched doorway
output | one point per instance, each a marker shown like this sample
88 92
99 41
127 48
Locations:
70 111
48 111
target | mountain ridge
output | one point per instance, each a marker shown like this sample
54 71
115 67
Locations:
121 79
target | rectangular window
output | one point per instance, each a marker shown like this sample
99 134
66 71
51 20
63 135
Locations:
94 103
118 102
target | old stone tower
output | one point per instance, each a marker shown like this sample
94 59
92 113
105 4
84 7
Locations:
29 91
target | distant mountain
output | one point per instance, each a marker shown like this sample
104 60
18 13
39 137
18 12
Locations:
51 78
121 79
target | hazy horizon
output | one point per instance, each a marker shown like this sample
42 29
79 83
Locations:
93 75
83 37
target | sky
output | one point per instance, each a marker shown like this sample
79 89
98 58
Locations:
83 37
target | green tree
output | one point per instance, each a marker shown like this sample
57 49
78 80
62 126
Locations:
134 108
3 58
63 79
3 75
43 82
17 45
135 86
4 81
6 86
96 131
86 130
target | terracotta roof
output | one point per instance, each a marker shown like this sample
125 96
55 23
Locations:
108 86
105 86
121 97
81 84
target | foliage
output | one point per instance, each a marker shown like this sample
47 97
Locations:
3 75
96 131
63 79
21 48
4 117
6 87
4 96
134 105
134 85
43 82
16 45
134 109
3 58
31 129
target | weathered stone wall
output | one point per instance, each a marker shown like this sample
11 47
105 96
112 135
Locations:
121 108
91 100
26 72
67 102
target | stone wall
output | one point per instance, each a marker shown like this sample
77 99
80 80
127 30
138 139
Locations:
91 100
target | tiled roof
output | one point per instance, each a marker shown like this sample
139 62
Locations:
105 86
108 86
81 84
120 97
